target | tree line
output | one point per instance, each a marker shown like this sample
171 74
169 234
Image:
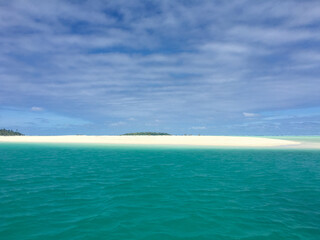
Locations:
6 132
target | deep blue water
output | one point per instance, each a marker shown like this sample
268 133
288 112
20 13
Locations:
125 192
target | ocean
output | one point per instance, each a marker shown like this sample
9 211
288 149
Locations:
59 191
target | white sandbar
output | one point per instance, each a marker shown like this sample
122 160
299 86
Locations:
156 140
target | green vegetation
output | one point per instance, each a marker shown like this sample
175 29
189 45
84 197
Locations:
5 132
147 134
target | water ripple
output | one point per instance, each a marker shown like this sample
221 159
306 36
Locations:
117 193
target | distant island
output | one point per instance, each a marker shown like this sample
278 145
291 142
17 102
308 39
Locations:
147 134
5 132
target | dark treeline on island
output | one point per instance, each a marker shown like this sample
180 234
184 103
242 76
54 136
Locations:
147 134
5 132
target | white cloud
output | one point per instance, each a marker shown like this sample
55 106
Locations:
247 114
226 48
37 109
117 124
199 128
272 35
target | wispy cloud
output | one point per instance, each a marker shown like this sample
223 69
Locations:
247 114
37 109
199 128
116 124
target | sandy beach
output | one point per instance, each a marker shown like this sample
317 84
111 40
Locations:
227 141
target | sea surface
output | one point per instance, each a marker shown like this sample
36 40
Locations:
56 191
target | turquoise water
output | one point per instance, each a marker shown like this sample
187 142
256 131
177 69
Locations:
308 139
118 192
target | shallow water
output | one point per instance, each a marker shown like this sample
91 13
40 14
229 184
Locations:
127 192
313 139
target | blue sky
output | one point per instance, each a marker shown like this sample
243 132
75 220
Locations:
242 67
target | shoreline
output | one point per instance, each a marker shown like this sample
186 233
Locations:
215 141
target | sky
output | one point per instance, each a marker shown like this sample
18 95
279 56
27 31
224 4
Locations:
236 67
